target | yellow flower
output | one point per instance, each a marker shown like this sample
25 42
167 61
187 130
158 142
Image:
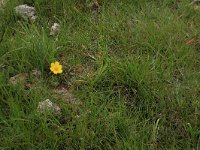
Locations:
56 68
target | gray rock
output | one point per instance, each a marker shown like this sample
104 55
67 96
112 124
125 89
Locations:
26 12
47 105
55 29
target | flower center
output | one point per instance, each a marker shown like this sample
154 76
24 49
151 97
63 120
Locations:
56 68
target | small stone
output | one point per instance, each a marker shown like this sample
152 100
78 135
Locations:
55 29
47 105
19 78
26 12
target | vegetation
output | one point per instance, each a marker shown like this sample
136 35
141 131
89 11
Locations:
131 66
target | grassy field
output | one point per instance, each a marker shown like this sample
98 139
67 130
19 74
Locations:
130 81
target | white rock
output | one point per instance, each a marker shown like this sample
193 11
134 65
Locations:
47 105
55 29
27 12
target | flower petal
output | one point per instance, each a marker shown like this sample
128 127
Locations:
60 71
55 71
52 69
52 64
57 63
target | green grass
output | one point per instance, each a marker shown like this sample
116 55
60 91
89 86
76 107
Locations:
133 70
